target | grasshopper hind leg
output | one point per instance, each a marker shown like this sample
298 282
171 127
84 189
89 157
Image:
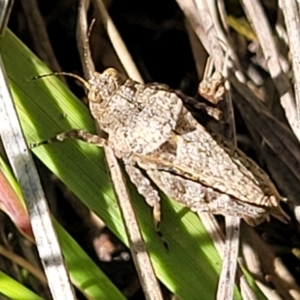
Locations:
145 189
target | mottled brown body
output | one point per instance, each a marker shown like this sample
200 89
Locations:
149 128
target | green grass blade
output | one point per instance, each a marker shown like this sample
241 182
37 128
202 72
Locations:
88 277
14 290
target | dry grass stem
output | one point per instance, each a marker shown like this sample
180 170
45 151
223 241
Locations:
26 174
138 248
24 264
263 31
292 21
227 276
117 42
39 34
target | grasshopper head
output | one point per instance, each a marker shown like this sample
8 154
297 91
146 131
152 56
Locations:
103 85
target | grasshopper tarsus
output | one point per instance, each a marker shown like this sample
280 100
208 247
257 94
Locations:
77 134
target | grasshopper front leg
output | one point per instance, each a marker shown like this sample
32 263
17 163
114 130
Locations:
83 136
78 134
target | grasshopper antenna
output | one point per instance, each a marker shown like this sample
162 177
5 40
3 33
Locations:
85 83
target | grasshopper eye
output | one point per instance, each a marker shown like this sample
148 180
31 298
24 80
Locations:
112 74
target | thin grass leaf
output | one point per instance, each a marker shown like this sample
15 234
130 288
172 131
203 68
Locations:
14 290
